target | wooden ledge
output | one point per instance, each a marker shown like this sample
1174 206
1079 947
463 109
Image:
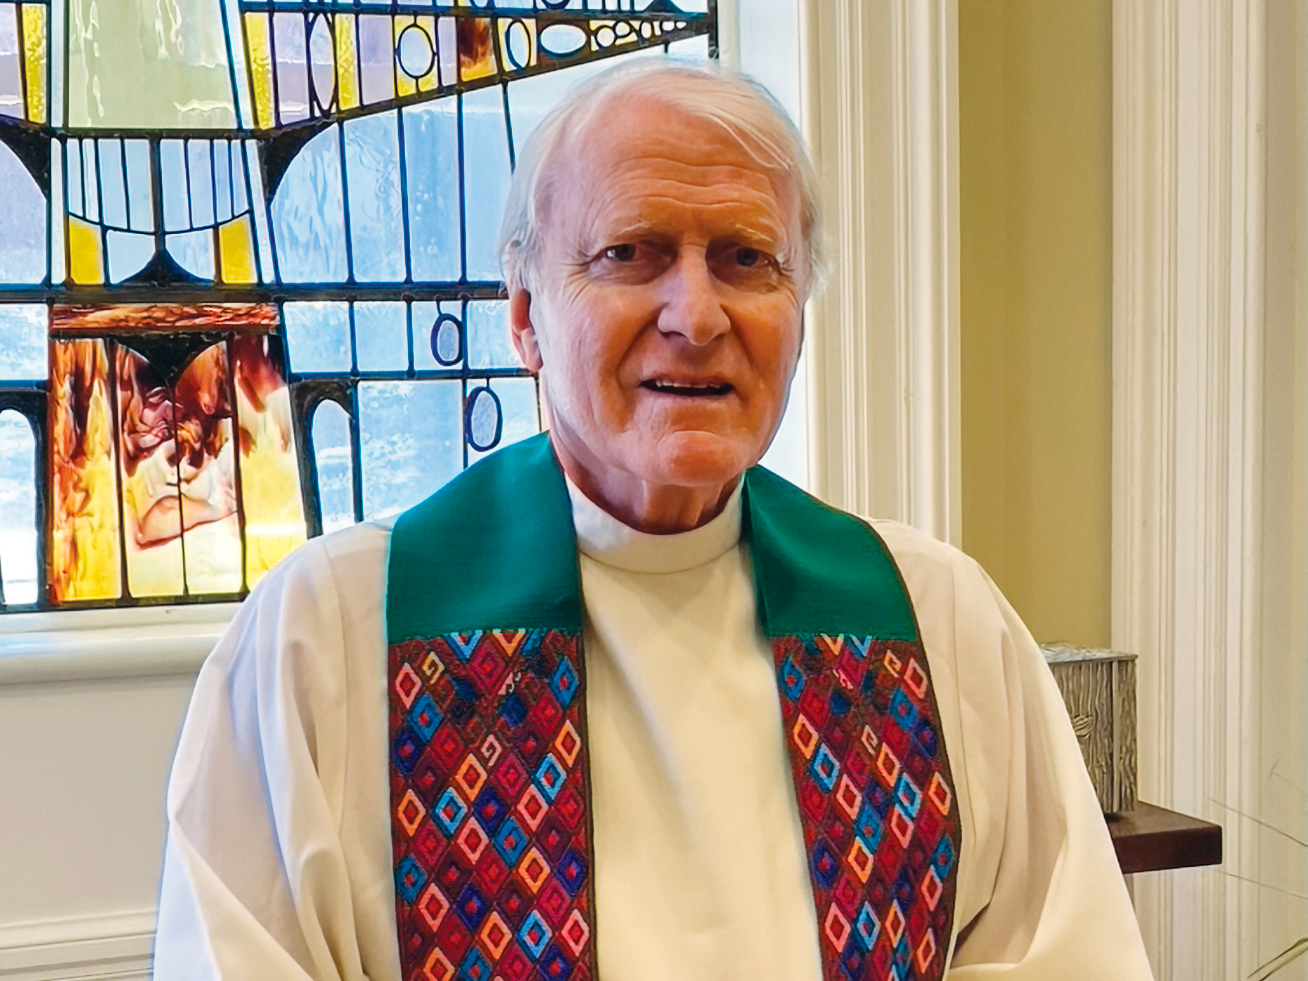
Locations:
1150 839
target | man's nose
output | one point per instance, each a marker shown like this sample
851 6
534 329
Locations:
692 302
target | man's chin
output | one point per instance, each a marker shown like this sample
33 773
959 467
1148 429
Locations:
698 459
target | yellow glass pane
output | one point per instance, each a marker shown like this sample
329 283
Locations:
404 85
347 63
270 474
83 559
85 253
236 249
476 58
34 41
259 50
517 44
432 80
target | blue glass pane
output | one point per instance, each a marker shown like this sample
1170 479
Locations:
382 336
11 65
129 252
172 165
90 181
317 336
432 166
412 441
331 454
240 192
376 58
372 159
193 251
518 406
254 174
222 181
292 73
17 508
113 195
139 201
425 315
308 215
691 49
56 213
531 98
486 178
22 223
22 341
488 336
73 155
201 173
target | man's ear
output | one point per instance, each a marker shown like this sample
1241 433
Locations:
522 330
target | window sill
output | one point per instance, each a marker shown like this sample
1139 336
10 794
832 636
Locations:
95 645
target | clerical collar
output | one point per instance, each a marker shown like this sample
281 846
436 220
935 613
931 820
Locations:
605 539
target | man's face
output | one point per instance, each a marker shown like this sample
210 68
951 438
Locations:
665 309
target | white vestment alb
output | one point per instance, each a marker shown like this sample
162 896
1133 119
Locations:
278 863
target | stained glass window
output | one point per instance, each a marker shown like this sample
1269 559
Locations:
248 282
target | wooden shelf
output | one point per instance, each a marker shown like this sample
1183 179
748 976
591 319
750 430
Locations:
1149 839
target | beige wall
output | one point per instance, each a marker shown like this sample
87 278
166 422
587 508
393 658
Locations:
1035 154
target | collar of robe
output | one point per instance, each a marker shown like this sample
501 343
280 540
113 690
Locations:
490 786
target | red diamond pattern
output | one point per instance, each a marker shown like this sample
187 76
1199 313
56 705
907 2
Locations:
468 882
478 896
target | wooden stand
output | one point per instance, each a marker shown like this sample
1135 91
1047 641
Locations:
1149 839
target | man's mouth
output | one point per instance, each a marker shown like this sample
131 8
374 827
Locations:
687 389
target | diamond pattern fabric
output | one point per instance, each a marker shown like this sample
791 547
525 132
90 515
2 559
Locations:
491 830
490 824
876 803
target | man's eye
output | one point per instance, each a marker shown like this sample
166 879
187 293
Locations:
620 253
748 257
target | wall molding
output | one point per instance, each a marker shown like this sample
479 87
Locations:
98 645
86 948
880 113
1188 246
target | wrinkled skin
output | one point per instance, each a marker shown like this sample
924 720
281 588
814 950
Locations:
663 313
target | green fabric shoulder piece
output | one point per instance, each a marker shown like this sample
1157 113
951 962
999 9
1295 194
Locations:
819 570
493 548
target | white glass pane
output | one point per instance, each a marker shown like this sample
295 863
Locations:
17 509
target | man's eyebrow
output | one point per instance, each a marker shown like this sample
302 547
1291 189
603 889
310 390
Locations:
760 234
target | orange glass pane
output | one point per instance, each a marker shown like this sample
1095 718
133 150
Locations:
259 48
205 455
270 475
148 471
85 252
347 63
34 41
179 486
236 250
476 59
83 553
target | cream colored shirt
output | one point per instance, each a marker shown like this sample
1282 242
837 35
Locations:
278 862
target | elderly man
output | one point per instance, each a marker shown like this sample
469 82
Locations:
616 703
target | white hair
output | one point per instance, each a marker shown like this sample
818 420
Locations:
735 102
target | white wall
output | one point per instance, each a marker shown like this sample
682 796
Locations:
89 715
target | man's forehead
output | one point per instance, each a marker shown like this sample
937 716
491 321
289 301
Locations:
632 176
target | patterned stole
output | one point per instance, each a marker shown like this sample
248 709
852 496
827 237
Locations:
490 779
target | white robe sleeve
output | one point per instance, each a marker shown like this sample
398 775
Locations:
256 879
1040 893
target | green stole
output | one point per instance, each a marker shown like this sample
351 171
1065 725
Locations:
490 782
